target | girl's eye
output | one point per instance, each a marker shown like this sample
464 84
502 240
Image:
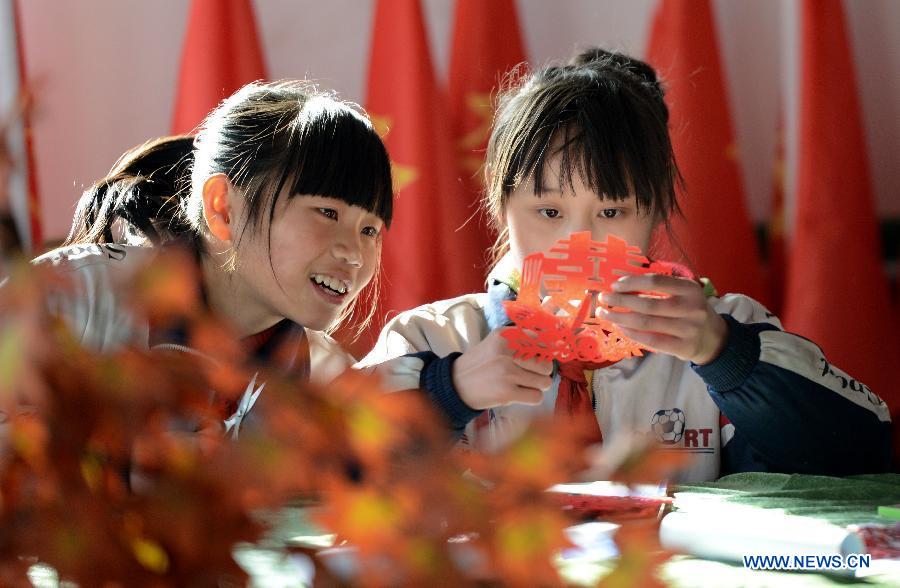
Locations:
329 212
549 212
370 232
610 212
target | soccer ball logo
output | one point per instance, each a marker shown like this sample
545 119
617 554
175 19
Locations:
668 425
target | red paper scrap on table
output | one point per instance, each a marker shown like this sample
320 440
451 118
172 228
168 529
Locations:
611 501
587 506
881 541
570 278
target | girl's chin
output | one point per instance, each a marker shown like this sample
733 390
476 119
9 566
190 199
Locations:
319 323
517 260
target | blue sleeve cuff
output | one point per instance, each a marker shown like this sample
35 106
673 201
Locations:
738 358
436 380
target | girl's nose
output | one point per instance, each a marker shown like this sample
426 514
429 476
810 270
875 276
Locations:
347 249
581 224
599 235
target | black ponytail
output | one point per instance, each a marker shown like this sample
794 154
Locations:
139 200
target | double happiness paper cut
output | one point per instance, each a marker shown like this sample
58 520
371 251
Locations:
572 275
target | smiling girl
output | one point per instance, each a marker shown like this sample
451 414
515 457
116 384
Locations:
585 147
282 197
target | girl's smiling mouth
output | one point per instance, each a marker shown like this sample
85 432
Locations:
333 289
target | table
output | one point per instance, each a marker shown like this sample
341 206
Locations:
841 501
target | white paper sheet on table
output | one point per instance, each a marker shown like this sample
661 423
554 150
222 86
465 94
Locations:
709 527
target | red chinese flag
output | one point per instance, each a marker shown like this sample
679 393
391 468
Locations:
408 110
18 176
837 292
487 44
715 233
777 247
221 53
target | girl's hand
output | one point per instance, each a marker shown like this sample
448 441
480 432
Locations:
682 323
487 375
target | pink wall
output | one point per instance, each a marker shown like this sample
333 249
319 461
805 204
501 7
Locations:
105 72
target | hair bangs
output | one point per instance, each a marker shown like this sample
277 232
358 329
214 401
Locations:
338 154
613 136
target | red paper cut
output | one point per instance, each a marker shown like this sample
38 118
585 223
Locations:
570 278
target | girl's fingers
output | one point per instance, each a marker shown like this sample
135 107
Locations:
658 342
673 306
528 379
637 321
523 395
699 344
654 283
544 368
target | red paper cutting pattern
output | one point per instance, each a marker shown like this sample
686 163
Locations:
555 313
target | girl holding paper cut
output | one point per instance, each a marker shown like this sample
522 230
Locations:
585 147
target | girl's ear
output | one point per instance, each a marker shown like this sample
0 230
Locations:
216 206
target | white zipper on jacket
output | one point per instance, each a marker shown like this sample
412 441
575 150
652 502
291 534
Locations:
245 403
182 348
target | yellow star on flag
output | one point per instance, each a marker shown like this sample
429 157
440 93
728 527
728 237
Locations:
403 175
732 151
382 125
479 104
